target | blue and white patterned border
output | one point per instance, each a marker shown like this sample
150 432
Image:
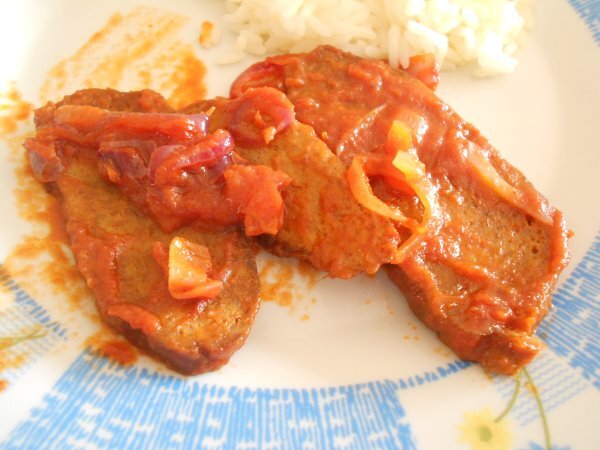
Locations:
24 315
572 333
572 328
111 406
100 404
589 11
107 405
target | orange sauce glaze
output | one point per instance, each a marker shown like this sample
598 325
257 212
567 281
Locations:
133 51
106 343
3 385
138 50
42 259
120 351
186 81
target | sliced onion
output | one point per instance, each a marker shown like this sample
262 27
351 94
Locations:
409 165
264 73
358 180
200 120
490 176
188 266
418 179
160 155
167 163
88 125
125 158
415 173
401 169
404 172
45 162
257 110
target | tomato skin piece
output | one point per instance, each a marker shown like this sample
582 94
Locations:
256 191
425 69
167 163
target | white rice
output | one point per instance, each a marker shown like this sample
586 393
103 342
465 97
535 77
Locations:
484 33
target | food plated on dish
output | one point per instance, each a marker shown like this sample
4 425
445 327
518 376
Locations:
323 358
344 162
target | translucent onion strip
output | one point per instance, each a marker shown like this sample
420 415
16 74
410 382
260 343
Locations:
188 266
419 181
517 198
358 178
401 168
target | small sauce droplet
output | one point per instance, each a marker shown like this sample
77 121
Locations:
107 343
206 34
119 351
276 280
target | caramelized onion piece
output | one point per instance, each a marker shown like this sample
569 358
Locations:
399 138
419 181
188 266
371 164
258 116
44 160
399 143
168 163
402 170
490 177
108 132
88 125
261 74
124 158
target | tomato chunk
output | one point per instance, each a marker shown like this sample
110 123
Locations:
255 190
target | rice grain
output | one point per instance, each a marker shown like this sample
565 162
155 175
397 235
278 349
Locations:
483 33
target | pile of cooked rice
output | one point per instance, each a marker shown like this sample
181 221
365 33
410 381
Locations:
457 32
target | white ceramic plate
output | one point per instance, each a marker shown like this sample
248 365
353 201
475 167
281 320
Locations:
346 365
